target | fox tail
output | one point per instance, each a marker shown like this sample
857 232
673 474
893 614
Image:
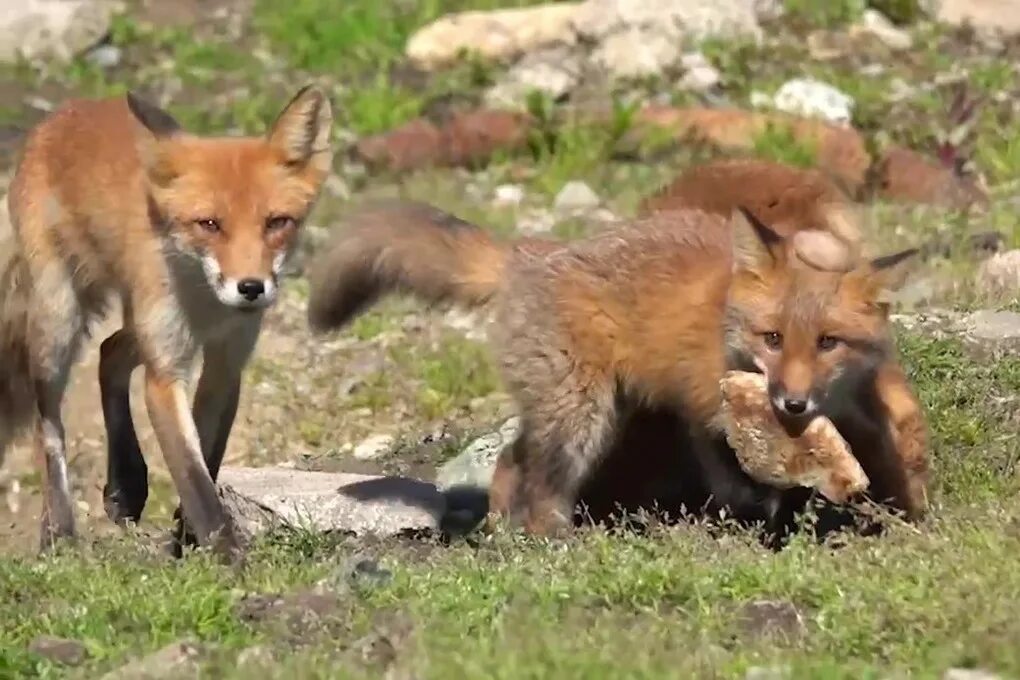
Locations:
17 395
402 247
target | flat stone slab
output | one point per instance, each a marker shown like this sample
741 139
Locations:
261 499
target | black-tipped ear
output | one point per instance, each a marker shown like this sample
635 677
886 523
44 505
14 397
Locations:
156 120
755 245
302 131
890 272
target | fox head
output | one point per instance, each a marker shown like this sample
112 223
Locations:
802 326
236 203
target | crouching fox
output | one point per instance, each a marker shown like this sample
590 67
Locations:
650 314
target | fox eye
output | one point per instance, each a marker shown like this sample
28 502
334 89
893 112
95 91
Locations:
210 225
773 340
827 343
278 222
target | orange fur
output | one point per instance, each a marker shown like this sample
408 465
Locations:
652 314
112 198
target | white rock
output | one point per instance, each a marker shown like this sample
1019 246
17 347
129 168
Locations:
553 72
502 34
536 222
373 447
474 465
969 674
508 195
813 98
261 499
576 197
105 56
999 16
877 24
57 29
1000 273
691 20
637 53
699 74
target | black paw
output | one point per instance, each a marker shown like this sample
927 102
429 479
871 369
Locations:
124 502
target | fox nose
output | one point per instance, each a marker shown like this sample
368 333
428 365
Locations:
251 289
795 407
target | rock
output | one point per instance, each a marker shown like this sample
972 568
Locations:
260 499
813 98
699 74
635 53
474 465
536 222
969 674
363 573
105 56
502 34
176 661
61 650
990 333
770 618
553 72
376 446
690 21
508 195
1000 274
876 24
576 197
985 15
986 334
51 29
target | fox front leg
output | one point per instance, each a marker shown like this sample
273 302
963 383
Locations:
215 407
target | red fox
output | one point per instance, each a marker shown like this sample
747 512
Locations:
113 198
650 314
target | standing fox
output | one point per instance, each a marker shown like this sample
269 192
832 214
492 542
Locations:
113 198
650 315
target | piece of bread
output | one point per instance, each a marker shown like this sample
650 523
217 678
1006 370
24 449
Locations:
819 458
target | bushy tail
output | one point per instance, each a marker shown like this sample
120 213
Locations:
17 396
405 247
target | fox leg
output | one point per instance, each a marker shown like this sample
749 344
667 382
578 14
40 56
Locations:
57 323
558 457
907 484
215 406
730 487
127 485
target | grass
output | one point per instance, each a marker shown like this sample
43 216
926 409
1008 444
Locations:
674 602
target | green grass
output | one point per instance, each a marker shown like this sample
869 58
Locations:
670 603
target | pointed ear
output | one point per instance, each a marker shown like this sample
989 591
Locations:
888 273
301 133
755 246
157 126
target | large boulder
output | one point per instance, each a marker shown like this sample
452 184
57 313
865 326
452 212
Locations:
51 29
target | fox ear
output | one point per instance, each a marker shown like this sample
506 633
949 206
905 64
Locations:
158 126
889 272
301 133
755 245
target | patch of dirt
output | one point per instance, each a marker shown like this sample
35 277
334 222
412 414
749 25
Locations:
297 617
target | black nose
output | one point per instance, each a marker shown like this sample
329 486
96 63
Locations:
251 289
795 406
